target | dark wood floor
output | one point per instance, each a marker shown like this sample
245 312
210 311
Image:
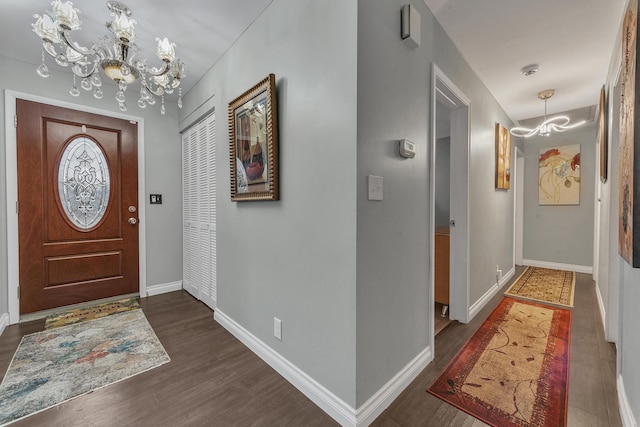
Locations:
213 380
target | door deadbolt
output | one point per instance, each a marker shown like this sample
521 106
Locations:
132 209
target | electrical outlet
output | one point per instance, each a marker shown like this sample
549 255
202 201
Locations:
277 328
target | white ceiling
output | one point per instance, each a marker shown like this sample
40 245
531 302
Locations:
202 29
571 40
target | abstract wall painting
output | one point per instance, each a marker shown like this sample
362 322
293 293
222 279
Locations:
629 185
503 157
559 175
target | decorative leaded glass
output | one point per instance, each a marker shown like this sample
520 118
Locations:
83 183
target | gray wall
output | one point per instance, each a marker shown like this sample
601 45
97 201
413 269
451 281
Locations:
163 223
561 234
294 258
443 192
394 87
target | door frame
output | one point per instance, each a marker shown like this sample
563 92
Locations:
12 191
518 223
444 90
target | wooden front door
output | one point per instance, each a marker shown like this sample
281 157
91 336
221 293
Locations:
77 206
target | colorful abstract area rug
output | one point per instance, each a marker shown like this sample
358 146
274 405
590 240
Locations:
545 285
514 370
57 365
90 313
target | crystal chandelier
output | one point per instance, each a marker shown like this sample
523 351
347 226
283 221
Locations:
556 123
114 54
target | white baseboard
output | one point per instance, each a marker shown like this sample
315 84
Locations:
558 266
603 310
380 401
326 400
4 322
163 288
484 299
335 407
628 420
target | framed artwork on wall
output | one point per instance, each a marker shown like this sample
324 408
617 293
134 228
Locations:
253 143
503 157
559 175
602 136
629 169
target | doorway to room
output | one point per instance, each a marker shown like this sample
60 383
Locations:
442 217
452 106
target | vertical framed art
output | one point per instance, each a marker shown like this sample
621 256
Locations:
602 136
253 143
503 157
629 185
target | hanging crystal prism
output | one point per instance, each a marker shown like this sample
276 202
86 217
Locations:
43 70
74 89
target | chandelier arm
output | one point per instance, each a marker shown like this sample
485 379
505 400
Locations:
153 71
81 50
157 92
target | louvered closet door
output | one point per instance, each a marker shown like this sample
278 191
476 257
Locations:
199 210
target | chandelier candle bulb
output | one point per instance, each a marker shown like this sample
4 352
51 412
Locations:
114 55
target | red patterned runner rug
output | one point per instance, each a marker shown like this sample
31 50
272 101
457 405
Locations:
514 370
545 285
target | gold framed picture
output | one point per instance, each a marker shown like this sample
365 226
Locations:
253 143
503 157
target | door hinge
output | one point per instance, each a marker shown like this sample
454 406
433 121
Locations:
15 120
18 292
17 208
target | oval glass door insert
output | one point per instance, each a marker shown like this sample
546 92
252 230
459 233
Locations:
83 183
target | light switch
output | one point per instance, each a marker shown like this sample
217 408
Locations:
155 199
375 187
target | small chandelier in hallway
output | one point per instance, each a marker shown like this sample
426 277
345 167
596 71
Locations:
555 123
114 54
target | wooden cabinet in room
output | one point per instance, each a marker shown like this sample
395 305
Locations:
441 273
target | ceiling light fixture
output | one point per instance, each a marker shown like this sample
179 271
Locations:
115 55
556 123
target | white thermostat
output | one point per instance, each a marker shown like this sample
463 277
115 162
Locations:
407 149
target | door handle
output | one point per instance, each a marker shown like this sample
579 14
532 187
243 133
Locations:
132 221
